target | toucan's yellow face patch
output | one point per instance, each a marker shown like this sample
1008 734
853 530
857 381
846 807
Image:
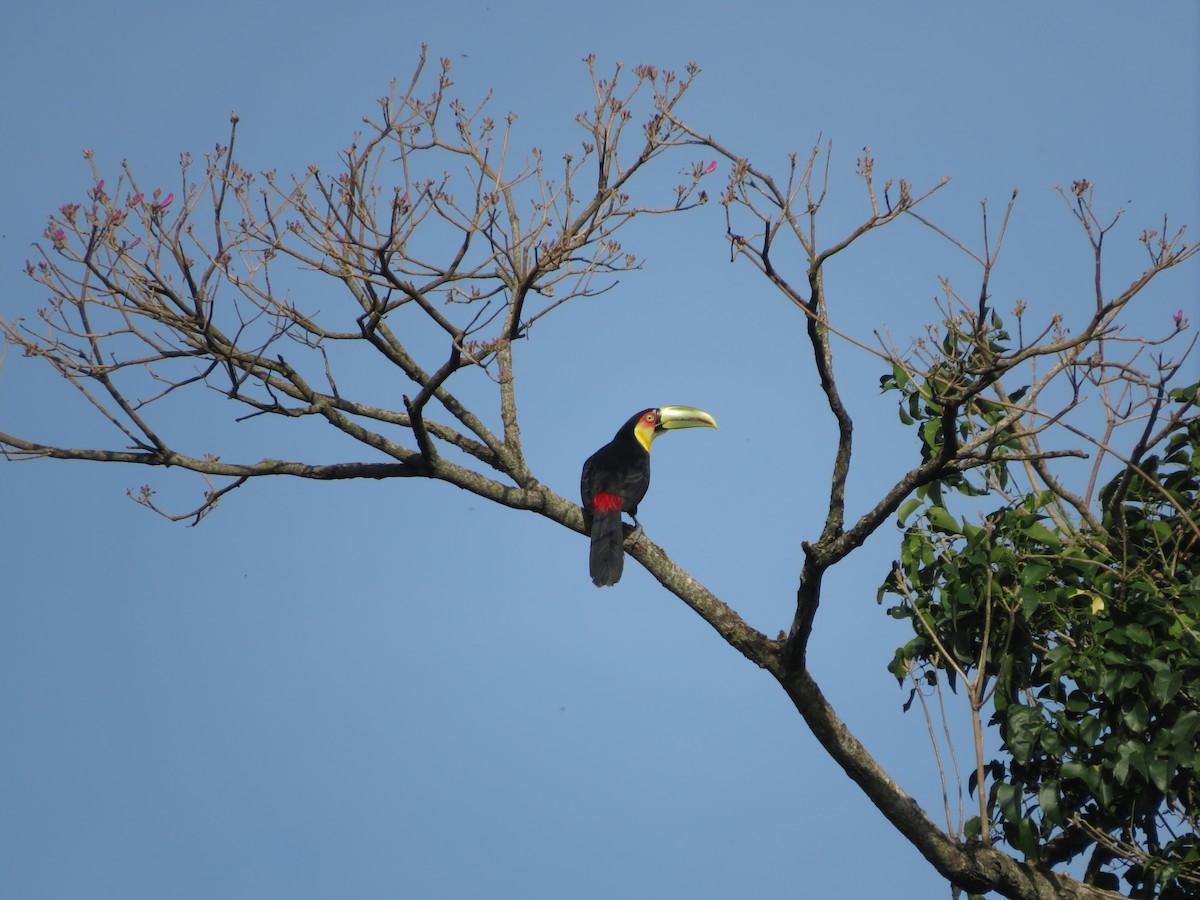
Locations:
646 428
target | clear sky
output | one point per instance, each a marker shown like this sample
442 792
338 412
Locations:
391 689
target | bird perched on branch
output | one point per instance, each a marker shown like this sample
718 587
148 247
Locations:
615 479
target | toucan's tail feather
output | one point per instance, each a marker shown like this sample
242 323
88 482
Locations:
607 558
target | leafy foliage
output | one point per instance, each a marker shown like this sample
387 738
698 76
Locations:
1084 638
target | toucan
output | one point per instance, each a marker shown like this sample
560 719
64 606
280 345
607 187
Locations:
615 479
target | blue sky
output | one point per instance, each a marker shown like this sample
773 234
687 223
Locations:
394 690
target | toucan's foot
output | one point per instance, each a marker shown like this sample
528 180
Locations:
636 534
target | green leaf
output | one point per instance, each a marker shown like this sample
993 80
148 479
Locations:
1160 773
1185 727
1008 799
931 433
1040 533
1034 572
1134 714
1131 755
942 520
1114 657
1089 775
1166 685
906 509
1121 769
1027 838
1024 725
1078 702
1030 600
1184 756
1048 800
1139 635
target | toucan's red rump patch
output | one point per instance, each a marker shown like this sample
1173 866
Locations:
606 503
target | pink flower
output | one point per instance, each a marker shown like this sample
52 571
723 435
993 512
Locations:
134 244
712 167
135 199
165 202
1178 318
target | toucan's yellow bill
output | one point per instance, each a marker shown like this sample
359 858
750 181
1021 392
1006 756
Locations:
684 417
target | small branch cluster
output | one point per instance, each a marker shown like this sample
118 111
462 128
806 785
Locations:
449 245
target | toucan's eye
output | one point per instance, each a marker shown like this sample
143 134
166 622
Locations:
649 417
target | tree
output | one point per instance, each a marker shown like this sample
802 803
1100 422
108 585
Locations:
157 297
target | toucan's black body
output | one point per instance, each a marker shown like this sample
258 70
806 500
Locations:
615 479
618 476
